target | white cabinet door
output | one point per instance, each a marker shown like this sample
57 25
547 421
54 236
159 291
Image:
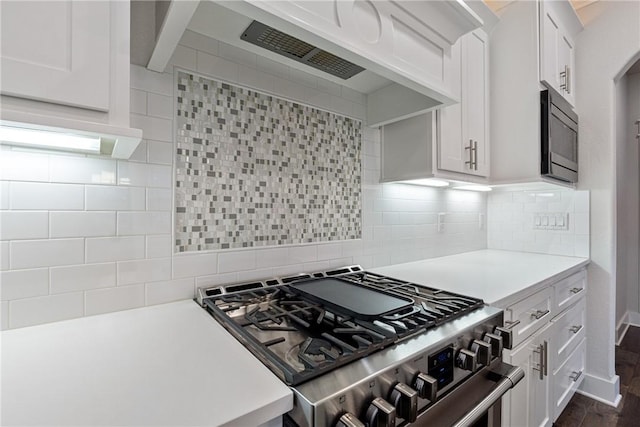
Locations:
57 51
528 404
463 128
475 107
556 51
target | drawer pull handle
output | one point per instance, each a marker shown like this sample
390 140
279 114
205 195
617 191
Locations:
575 329
510 324
575 376
539 314
543 351
576 290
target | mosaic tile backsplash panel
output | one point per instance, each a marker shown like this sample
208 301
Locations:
255 170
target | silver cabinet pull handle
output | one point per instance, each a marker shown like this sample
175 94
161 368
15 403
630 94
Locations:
568 79
540 351
539 314
545 347
510 324
638 124
576 290
575 329
475 155
575 375
470 148
564 75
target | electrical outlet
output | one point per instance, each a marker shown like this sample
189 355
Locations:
551 221
441 222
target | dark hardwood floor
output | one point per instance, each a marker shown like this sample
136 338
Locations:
584 412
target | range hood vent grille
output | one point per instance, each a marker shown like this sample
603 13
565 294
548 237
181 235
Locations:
293 48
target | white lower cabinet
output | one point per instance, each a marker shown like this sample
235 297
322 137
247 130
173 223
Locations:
528 403
567 378
549 342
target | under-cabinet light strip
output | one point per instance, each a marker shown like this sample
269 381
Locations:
51 140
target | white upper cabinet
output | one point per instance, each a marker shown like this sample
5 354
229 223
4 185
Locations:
531 46
57 51
65 66
463 128
558 26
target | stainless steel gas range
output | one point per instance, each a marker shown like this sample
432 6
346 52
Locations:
362 349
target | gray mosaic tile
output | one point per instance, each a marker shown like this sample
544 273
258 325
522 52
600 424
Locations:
255 170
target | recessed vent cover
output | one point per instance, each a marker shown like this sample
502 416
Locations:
293 48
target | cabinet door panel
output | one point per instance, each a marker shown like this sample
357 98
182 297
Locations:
475 96
57 52
550 33
527 405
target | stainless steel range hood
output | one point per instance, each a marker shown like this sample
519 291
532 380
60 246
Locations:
395 52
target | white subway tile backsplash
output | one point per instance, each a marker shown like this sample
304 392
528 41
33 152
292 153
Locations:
160 106
160 152
4 256
150 81
146 270
114 299
272 67
184 57
353 95
217 67
52 308
236 261
580 223
82 170
302 254
159 199
140 153
272 257
16 225
82 224
115 198
105 249
303 78
156 128
45 196
24 284
237 55
158 246
329 251
138 101
17 165
199 42
134 223
581 202
4 195
143 175
189 265
82 277
171 290
4 315
216 280
329 87
46 253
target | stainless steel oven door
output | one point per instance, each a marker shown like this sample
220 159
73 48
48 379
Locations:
476 402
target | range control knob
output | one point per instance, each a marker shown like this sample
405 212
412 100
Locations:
405 399
483 352
426 386
380 413
495 341
506 334
349 420
466 360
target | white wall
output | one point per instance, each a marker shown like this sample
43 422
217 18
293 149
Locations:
628 201
606 46
511 223
82 236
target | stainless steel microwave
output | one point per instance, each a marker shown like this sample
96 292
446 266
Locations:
559 137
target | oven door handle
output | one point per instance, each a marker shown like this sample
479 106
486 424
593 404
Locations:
506 383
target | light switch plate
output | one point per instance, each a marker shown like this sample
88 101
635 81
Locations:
551 221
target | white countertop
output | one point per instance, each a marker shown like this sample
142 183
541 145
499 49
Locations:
500 278
170 364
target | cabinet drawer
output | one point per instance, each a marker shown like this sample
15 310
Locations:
529 315
569 290
568 331
568 378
